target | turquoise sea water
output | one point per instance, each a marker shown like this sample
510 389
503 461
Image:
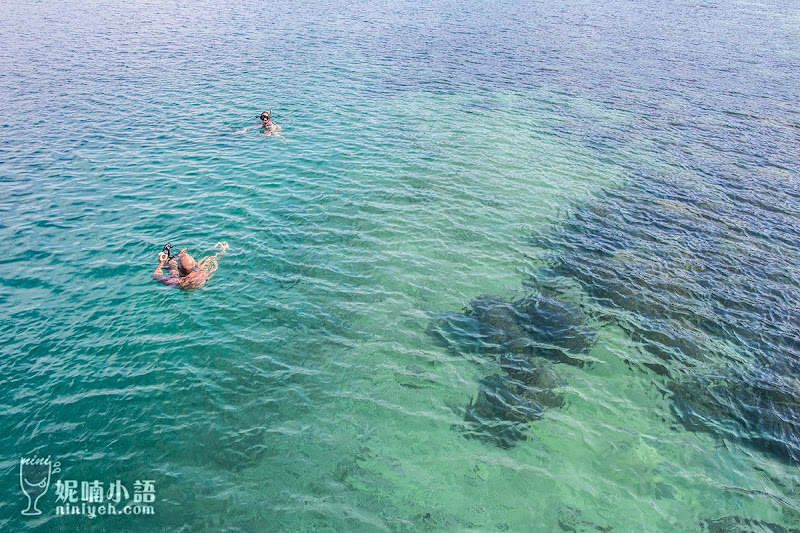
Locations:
509 267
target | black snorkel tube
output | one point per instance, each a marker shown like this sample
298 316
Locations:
167 248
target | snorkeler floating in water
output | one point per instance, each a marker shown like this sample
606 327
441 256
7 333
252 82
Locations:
183 270
267 126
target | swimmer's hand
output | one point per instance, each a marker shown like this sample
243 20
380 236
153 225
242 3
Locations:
158 273
248 128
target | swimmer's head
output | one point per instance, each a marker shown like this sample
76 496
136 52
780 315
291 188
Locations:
265 117
186 263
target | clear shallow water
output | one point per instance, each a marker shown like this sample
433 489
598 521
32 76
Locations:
637 163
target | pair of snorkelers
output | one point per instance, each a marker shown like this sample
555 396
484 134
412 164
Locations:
183 271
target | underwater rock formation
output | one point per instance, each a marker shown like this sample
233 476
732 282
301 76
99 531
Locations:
748 412
536 326
707 280
737 524
710 288
500 413
524 338
571 520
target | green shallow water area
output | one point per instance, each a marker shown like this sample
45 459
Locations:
509 267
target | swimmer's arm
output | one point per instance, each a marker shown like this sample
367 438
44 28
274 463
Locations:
245 130
158 275
159 269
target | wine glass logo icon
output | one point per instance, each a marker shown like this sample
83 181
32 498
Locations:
34 478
